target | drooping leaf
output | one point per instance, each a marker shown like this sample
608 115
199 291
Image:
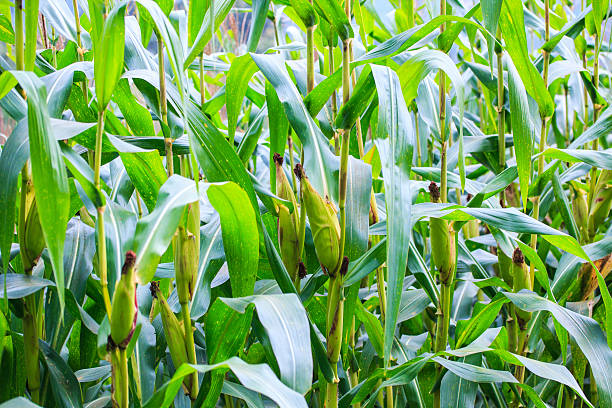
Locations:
286 324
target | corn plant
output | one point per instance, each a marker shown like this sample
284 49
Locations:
305 203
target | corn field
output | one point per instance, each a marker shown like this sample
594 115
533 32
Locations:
305 203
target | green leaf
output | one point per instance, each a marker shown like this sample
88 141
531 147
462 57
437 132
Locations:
475 373
212 258
571 29
372 327
108 53
470 330
19 402
597 158
240 73
456 391
286 325
522 132
413 303
63 383
602 127
195 17
119 227
512 25
219 10
333 12
15 153
320 163
585 331
256 377
240 235
305 12
491 10
48 173
286 285
260 15
394 140
564 207
216 157
366 263
145 169
19 285
413 71
278 126
137 116
172 44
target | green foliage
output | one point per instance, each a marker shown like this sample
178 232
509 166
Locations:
459 157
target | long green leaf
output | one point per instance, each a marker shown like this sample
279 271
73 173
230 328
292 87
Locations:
240 235
394 141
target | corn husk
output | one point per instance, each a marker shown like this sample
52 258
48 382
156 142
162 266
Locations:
124 308
442 241
580 211
323 224
288 222
521 280
601 204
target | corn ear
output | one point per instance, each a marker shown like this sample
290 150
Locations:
601 204
288 223
442 241
173 330
580 211
124 308
522 280
186 259
33 237
323 221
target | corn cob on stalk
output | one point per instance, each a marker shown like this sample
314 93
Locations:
580 212
443 257
442 241
31 244
521 280
323 223
186 261
174 332
124 315
185 264
288 225
124 307
602 201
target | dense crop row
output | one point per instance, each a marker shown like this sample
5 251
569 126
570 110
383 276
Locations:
399 203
